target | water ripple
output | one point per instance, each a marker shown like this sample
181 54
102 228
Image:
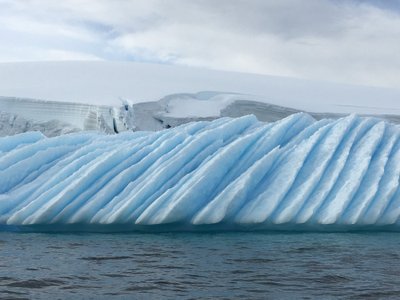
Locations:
192 266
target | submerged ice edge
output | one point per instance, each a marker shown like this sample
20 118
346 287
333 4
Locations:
227 174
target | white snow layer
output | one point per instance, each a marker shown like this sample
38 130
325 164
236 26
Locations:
225 174
104 83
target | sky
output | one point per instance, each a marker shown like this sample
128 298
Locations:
351 41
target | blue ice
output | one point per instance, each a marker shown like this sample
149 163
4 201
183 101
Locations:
296 173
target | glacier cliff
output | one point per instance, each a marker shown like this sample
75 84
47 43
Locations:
18 115
296 173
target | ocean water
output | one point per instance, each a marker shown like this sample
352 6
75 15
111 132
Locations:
241 265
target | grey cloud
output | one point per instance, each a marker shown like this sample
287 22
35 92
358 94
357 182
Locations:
288 19
352 41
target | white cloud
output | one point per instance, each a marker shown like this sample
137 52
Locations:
347 41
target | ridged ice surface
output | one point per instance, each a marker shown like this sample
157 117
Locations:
228 173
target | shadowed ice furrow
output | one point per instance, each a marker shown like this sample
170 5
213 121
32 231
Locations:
151 179
136 152
231 199
13 142
332 172
81 215
17 172
47 181
62 174
312 171
200 186
66 191
387 188
116 192
351 176
116 209
224 174
279 182
108 170
118 188
278 133
370 184
20 154
228 202
392 213
187 169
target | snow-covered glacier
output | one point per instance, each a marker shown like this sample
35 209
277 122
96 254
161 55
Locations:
18 115
296 173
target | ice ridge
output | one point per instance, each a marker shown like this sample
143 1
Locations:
227 173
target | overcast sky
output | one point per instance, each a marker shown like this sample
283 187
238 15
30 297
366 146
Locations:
350 41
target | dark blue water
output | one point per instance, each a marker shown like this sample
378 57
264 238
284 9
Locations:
200 265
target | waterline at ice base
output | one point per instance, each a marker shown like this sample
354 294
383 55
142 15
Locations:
227 174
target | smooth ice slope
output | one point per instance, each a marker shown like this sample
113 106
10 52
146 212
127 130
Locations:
226 174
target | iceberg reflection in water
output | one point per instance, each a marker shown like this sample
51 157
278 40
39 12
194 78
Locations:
229 173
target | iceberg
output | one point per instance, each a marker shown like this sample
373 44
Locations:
227 174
